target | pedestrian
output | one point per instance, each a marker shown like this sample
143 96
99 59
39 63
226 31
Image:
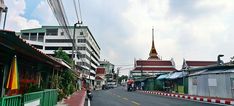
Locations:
142 85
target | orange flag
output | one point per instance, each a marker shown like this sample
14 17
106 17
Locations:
13 78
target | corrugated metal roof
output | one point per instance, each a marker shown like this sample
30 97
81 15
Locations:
164 76
176 75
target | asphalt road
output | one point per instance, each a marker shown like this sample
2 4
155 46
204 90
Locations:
120 97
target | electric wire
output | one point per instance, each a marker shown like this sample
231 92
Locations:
80 11
74 2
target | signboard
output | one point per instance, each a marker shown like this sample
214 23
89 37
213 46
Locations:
212 82
194 81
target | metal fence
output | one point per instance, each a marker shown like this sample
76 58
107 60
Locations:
11 100
47 97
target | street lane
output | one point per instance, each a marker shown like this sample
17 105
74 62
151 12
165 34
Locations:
120 97
107 98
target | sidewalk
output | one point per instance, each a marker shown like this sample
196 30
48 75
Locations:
228 101
76 99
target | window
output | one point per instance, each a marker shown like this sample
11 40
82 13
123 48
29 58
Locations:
51 48
58 41
81 40
53 32
56 48
81 33
41 37
33 36
62 33
81 48
25 36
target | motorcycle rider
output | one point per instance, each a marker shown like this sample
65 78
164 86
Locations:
89 94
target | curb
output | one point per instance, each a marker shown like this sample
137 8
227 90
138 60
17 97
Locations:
190 97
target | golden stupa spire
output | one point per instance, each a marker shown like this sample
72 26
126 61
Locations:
153 53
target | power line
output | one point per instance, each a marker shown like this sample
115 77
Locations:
80 11
59 13
74 2
124 65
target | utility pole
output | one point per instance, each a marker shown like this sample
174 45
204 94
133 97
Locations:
4 23
117 77
73 46
89 67
3 8
90 55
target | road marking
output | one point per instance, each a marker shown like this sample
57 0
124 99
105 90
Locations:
125 98
135 103
89 102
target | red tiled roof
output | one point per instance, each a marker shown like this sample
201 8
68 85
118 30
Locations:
100 70
154 69
98 78
200 63
153 63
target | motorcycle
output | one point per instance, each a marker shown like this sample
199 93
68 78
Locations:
89 95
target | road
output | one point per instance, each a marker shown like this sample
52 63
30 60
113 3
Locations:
120 97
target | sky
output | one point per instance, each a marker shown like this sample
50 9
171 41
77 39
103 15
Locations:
184 29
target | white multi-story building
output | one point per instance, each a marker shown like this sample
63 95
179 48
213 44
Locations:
51 38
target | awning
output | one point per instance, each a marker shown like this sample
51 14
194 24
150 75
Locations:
92 71
164 76
139 79
176 75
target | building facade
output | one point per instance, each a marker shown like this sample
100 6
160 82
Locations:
100 77
50 38
214 81
109 68
188 64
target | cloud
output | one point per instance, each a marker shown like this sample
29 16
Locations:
15 19
194 30
44 14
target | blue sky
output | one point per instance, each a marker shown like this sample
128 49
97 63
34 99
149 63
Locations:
185 29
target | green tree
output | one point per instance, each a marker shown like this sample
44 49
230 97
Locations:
67 79
123 77
63 55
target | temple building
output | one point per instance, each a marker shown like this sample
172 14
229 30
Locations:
153 66
188 64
